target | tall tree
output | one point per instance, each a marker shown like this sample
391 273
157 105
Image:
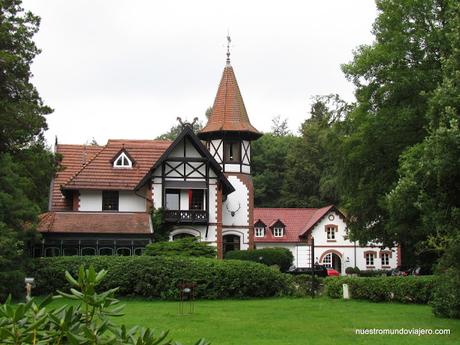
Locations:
280 126
310 179
394 78
424 206
26 165
269 167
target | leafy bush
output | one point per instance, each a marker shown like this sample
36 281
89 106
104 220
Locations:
349 270
88 322
281 257
372 273
158 277
446 294
379 289
184 247
307 285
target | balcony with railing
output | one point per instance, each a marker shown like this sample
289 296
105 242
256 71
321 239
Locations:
186 216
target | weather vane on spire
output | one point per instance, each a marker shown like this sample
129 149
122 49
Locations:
229 40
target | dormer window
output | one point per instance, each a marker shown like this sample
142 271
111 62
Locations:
122 161
278 228
259 229
278 231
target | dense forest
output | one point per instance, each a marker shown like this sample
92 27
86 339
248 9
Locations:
390 160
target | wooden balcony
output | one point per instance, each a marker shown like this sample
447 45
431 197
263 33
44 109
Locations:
189 216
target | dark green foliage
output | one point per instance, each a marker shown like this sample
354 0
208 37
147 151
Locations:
394 78
446 295
158 277
22 111
424 206
371 273
280 257
310 177
11 275
26 166
384 289
183 247
88 322
269 167
161 229
307 285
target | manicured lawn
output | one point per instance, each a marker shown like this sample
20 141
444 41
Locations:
287 321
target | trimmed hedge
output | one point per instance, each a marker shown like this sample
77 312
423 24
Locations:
280 257
158 277
399 289
183 247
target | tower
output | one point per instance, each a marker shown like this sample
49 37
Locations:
228 135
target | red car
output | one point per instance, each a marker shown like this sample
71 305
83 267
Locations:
332 272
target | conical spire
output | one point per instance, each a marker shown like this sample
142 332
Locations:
228 112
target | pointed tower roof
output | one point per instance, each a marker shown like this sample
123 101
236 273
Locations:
229 116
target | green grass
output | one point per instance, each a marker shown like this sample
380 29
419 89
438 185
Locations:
285 321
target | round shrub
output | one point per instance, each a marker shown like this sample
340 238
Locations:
349 270
281 257
159 277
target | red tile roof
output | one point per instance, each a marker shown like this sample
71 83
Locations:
298 222
95 222
99 172
229 112
73 158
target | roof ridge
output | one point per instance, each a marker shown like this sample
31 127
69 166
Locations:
289 208
85 165
139 140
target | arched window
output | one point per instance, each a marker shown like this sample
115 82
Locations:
88 251
70 251
104 251
124 251
138 251
181 236
52 251
122 161
327 260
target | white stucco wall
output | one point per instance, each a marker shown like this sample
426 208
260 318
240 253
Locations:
90 200
347 249
212 203
238 200
220 150
130 202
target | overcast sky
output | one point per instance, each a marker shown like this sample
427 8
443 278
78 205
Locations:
127 69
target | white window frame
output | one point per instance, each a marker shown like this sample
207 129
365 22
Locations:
327 260
385 259
370 259
278 231
125 161
330 233
259 231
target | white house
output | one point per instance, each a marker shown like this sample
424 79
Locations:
101 198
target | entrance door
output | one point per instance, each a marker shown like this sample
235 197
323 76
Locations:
231 242
336 263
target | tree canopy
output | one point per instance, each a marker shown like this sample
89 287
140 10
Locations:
26 165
